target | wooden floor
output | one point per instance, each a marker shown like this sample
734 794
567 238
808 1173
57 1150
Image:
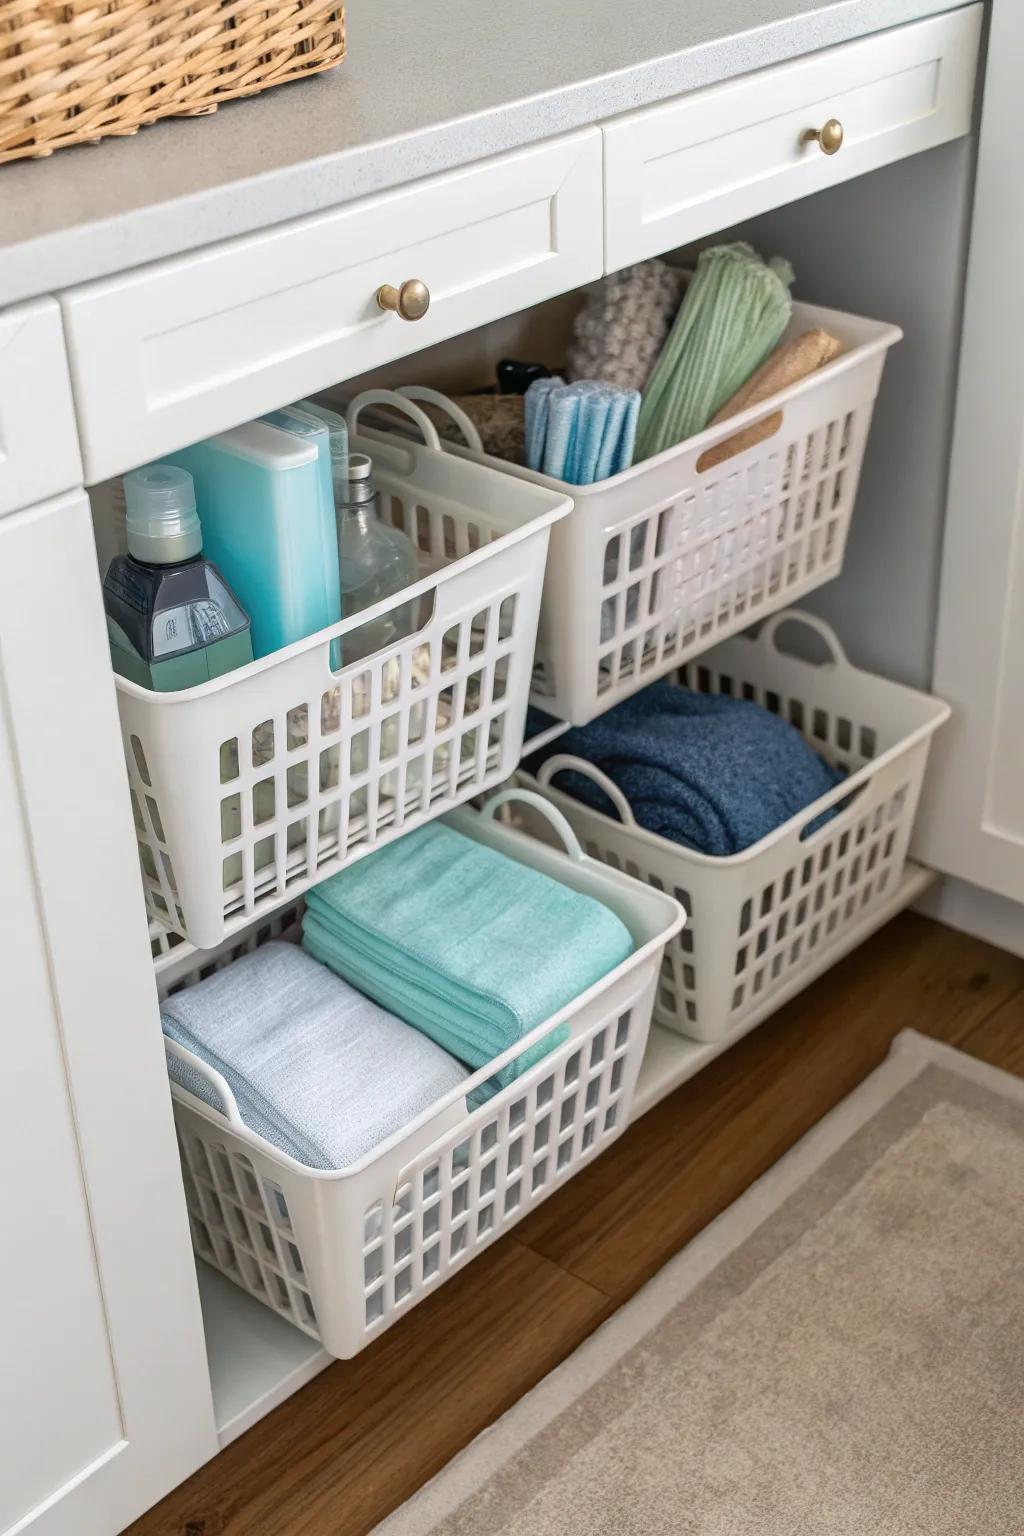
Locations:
363 1436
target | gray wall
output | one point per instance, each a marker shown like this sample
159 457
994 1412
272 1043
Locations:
891 245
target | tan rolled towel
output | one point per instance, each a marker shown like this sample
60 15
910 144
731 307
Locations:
790 362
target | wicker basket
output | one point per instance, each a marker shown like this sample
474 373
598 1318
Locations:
88 69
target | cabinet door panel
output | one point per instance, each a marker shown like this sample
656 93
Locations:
105 1399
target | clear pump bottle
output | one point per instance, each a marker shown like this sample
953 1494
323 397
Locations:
377 560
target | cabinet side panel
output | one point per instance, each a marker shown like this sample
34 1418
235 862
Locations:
58 1396
76 822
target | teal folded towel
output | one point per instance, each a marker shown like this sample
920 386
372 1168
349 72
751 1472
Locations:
735 310
467 945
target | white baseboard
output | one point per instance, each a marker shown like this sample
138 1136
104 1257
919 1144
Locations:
972 910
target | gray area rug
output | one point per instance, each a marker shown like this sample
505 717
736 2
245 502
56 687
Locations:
841 1352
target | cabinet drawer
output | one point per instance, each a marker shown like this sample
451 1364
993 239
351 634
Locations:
38 439
185 347
698 164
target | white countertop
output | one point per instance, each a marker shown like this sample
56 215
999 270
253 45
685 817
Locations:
428 84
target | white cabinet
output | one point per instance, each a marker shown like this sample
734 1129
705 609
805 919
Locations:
683 169
972 822
104 1393
178 350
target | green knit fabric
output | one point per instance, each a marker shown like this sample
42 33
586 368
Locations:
735 309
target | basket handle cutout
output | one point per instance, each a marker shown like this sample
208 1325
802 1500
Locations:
465 423
576 1026
793 619
399 403
748 437
211 1077
425 606
838 800
563 762
550 812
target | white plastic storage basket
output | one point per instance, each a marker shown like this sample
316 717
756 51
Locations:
762 922
656 564
249 788
343 1254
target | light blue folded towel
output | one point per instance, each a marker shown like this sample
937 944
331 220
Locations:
535 418
468 945
580 432
316 1069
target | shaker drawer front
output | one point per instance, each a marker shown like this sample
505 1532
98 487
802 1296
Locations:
698 164
38 437
176 351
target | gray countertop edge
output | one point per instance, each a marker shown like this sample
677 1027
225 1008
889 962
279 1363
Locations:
62 257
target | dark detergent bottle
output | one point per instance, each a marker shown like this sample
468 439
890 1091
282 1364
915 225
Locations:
172 619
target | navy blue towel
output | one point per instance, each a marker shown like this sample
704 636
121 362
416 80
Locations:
713 773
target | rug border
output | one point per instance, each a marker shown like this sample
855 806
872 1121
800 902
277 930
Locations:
909 1055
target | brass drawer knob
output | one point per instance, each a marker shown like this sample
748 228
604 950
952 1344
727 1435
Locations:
829 137
411 300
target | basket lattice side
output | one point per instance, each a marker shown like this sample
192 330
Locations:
763 921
